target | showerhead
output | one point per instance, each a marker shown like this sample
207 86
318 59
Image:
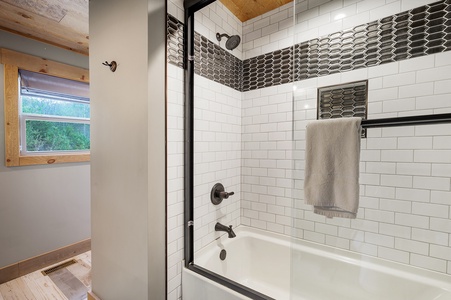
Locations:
232 41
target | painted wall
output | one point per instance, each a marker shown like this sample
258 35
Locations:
128 149
42 208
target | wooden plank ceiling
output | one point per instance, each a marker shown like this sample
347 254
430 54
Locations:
248 9
64 23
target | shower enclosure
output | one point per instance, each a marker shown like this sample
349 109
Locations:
246 110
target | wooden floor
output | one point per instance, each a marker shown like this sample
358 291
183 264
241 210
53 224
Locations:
36 286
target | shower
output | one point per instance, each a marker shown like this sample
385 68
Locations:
232 41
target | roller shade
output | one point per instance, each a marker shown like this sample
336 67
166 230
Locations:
37 83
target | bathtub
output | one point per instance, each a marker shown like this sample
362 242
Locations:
262 261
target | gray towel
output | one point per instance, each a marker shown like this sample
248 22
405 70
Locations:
332 158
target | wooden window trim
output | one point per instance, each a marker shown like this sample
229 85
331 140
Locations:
12 62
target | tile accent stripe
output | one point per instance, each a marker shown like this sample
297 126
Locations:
215 63
418 32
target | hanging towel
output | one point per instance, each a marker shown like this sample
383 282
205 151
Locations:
332 166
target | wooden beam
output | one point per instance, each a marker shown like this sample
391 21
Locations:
42 65
12 151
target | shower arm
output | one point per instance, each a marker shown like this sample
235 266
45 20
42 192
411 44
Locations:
220 36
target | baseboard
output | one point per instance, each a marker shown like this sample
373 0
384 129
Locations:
41 261
92 296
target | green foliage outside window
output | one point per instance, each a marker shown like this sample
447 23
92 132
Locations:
62 135
57 136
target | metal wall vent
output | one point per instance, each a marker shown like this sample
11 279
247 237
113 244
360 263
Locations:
343 100
59 267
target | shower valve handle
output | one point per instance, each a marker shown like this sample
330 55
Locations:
218 194
225 195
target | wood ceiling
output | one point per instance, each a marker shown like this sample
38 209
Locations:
248 9
64 23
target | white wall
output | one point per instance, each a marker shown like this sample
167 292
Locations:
128 149
42 208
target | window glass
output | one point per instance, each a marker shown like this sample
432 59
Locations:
54 114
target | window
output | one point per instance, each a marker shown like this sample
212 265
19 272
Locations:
47 111
53 113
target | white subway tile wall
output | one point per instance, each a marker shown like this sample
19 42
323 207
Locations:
405 179
175 196
217 157
253 142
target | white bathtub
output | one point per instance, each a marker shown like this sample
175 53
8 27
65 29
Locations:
263 261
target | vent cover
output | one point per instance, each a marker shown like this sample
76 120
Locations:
59 267
343 101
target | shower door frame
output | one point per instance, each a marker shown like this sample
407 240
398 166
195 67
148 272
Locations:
191 6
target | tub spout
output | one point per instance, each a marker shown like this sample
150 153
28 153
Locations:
220 227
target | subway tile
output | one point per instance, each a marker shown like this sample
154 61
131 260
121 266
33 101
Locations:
442 142
434 74
416 90
326 229
381 167
337 242
364 248
429 236
411 220
397 155
442 87
428 262
433 183
314 237
418 63
443 170
379 239
412 246
441 197
433 102
379 191
428 130
415 142
395 230
441 252
396 205
413 169
384 94
365 225
396 180
432 156
381 143
393 254
431 210
440 224
442 59
407 104
370 155
399 79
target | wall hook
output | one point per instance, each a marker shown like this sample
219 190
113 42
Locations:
112 65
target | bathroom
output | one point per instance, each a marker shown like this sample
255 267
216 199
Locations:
251 138
237 116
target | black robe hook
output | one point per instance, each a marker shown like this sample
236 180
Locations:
112 65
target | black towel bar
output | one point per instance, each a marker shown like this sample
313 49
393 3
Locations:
407 121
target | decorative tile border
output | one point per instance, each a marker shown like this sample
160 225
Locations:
421 31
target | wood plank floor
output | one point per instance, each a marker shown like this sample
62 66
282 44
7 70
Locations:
36 286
